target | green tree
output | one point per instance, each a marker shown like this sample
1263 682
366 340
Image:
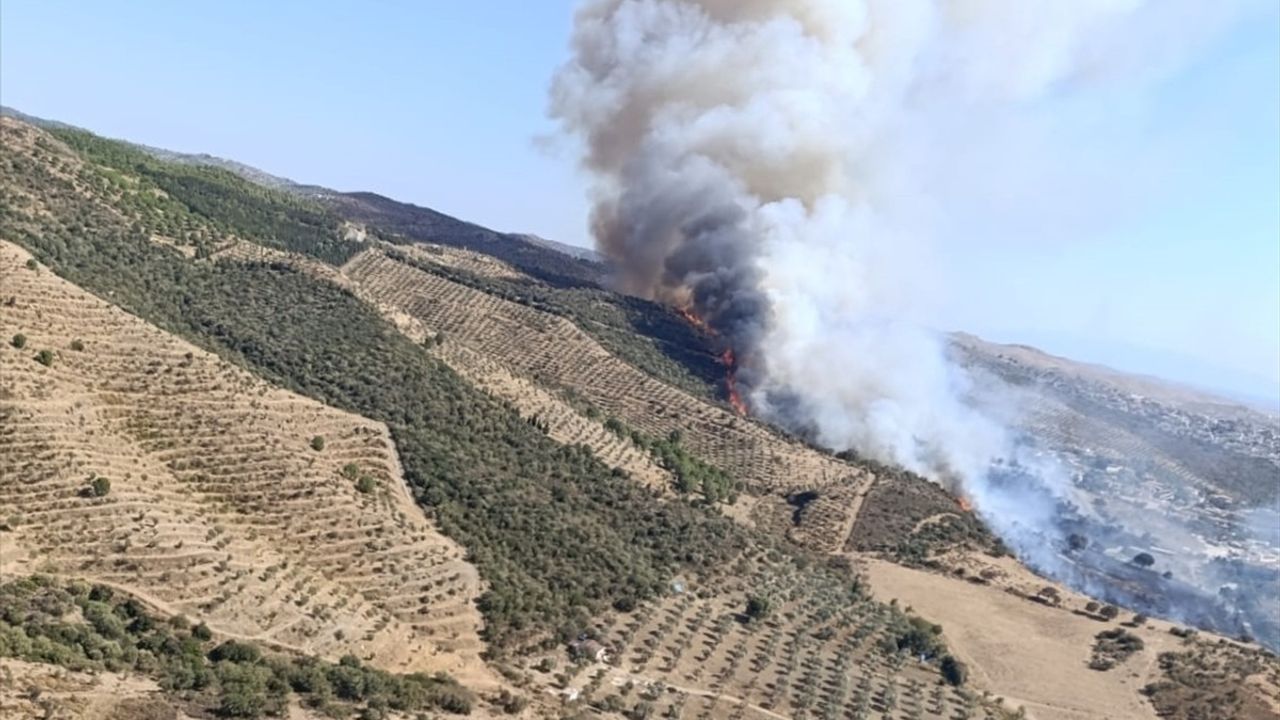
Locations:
244 690
954 671
758 606
99 486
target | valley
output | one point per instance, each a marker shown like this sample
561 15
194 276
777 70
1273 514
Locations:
339 427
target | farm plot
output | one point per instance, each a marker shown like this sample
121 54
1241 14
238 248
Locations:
817 649
556 354
132 458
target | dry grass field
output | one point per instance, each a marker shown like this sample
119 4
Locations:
1036 655
220 505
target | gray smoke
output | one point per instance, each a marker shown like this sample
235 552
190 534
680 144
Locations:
781 167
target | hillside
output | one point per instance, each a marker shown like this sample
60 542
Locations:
220 506
641 548
1191 479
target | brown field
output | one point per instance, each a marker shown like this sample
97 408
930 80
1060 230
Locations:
1032 654
219 507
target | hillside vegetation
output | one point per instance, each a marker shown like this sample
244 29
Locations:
554 533
620 543
147 463
82 627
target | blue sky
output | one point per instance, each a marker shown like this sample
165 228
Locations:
440 103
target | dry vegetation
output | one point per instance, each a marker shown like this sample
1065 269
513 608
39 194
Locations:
219 506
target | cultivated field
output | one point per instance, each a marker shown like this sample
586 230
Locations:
819 652
555 354
267 515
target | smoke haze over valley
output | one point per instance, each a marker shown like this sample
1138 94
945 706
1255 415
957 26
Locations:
784 170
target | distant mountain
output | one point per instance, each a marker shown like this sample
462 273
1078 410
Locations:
581 253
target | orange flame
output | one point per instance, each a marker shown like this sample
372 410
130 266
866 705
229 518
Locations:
731 381
726 358
692 318
964 503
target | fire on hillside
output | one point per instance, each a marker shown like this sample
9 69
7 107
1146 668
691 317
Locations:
731 381
727 359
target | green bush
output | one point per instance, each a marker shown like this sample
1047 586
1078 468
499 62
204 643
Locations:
45 358
99 486
317 443
954 671
77 345
758 606
236 652
235 678
19 341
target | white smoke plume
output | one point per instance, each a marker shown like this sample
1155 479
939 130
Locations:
772 163
784 167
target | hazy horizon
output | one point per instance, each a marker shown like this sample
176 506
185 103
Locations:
1174 271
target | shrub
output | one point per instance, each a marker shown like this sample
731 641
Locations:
19 341
244 690
1144 560
954 671
202 632
99 486
758 607
317 443
916 635
45 358
366 484
32 264
236 652
1109 612
511 703
77 345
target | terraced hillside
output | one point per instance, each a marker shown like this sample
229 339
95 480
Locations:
555 353
535 428
267 514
